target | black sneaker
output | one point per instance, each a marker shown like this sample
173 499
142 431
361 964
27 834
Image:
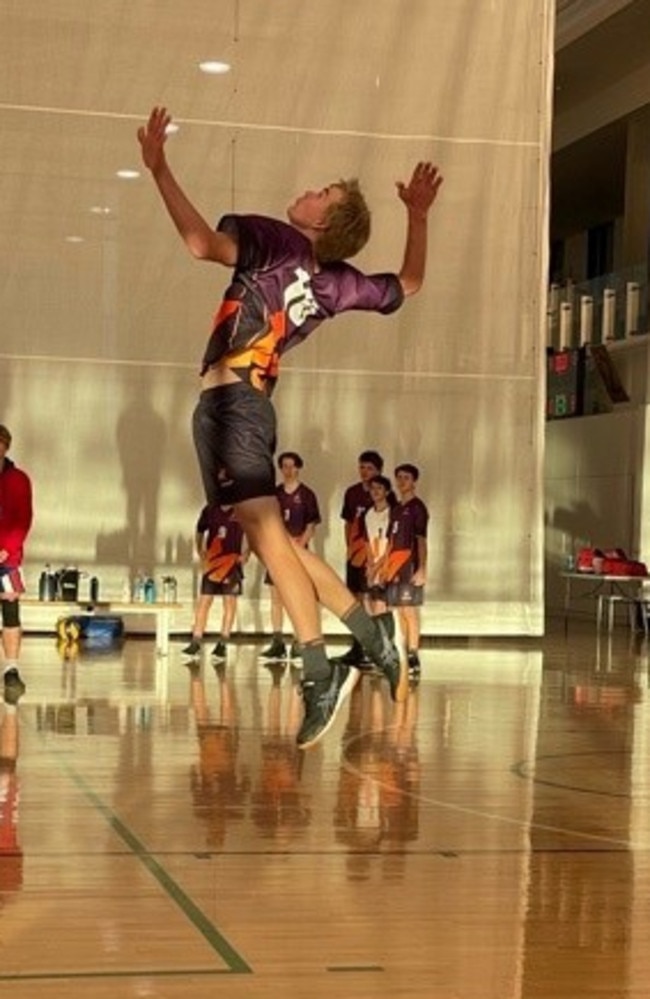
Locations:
322 700
353 657
413 662
294 652
276 650
193 649
387 658
14 688
220 651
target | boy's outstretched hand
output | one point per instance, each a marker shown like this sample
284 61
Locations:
152 137
421 191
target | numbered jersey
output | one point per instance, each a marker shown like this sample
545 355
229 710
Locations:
278 296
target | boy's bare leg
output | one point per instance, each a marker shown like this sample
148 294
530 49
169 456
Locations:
267 536
201 612
228 615
325 686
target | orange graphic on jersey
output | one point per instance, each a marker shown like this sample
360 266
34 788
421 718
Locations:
217 565
356 545
261 361
395 560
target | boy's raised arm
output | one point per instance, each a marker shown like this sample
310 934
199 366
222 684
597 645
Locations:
418 196
201 240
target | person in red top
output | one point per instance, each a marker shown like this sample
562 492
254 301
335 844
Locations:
15 522
288 277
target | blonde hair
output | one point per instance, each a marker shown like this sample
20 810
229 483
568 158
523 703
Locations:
348 226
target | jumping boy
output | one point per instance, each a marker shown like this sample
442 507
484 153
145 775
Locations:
287 279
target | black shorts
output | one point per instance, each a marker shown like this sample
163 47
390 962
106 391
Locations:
10 613
355 578
404 595
234 430
230 586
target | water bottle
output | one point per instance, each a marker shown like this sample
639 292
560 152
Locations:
93 588
149 590
138 589
47 584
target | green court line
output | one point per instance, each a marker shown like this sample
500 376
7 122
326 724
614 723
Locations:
217 941
58 976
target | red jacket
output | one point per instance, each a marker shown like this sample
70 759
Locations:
15 512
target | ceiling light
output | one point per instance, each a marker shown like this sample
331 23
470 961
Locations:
128 174
100 210
172 128
74 239
214 66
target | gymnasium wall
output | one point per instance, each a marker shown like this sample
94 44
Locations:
105 316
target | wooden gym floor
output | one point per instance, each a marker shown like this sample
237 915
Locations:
161 836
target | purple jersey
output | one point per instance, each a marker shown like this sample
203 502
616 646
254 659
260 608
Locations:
298 509
223 543
356 501
278 296
408 522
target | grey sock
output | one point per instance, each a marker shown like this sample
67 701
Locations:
316 663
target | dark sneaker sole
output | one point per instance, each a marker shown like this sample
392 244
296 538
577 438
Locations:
346 689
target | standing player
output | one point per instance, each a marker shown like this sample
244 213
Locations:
219 544
356 500
406 561
15 521
300 515
288 278
376 527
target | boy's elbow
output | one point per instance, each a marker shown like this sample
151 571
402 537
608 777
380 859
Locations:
410 285
198 248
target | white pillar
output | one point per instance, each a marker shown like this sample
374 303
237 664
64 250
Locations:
609 314
586 319
632 292
566 324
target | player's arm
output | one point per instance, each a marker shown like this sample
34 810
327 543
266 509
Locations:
201 240
418 196
420 575
199 544
307 535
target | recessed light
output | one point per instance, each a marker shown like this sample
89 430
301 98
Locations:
74 239
172 128
214 66
128 174
100 210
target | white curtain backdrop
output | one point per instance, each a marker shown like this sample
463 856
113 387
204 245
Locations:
105 316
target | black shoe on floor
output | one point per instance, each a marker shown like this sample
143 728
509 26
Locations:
387 658
294 652
14 688
323 698
220 651
276 650
413 662
193 649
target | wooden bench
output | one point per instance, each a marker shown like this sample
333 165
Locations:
161 610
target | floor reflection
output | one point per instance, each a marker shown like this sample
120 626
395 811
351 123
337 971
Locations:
488 836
